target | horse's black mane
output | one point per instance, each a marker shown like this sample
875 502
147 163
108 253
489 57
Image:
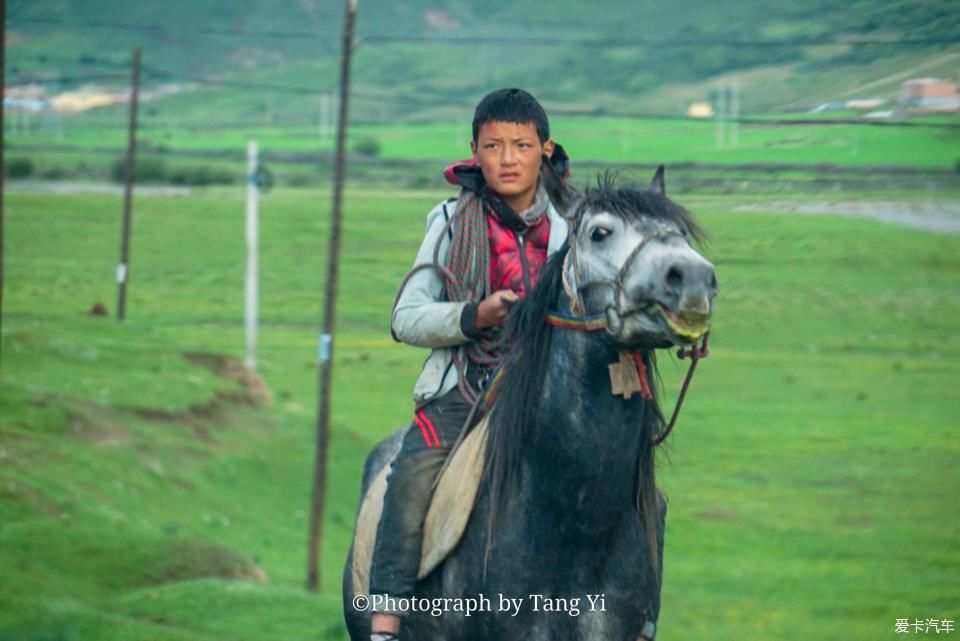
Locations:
528 339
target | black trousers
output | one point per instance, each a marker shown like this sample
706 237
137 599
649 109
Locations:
425 446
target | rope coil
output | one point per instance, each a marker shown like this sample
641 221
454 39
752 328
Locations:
466 278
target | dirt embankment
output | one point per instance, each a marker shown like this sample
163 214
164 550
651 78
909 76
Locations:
938 217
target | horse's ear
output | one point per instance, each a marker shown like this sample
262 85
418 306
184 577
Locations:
657 185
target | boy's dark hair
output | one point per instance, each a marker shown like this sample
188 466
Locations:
511 105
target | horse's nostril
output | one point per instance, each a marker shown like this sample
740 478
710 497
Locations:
674 279
714 285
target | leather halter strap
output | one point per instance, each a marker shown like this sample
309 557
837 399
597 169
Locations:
615 283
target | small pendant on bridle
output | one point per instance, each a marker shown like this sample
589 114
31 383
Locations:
628 376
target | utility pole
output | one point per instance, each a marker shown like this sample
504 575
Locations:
251 295
123 267
325 348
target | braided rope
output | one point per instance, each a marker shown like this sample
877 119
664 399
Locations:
466 277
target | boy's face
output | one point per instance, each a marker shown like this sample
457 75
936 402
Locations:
509 155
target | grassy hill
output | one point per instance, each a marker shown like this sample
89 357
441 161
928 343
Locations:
148 492
618 55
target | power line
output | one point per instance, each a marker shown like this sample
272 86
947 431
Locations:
641 43
756 119
66 79
152 28
164 75
155 73
541 41
169 77
753 121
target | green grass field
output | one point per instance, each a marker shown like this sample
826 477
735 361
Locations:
615 140
813 475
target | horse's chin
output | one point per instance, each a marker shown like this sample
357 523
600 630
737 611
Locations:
653 328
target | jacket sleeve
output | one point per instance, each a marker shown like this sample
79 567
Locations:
422 316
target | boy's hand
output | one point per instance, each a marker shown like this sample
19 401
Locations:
493 309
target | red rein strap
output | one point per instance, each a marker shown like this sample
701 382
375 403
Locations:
642 373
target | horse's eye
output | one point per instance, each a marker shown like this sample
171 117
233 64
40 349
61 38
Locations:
599 233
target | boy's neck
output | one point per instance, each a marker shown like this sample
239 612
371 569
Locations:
520 202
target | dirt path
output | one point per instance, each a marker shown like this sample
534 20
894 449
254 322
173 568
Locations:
938 217
900 75
79 187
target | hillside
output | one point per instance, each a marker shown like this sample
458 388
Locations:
621 56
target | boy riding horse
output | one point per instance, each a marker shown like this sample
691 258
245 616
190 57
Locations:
481 254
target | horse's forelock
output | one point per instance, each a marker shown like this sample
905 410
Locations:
633 204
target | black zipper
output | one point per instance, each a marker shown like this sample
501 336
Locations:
525 268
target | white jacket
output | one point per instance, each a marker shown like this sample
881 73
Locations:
423 317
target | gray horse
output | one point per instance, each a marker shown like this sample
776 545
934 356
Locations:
565 541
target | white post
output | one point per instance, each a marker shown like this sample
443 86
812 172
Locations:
719 114
735 113
326 116
250 293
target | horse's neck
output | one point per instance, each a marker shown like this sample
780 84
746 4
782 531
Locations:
586 440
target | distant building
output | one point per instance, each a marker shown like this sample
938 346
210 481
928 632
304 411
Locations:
32 91
700 110
83 100
929 95
31 98
865 104
439 19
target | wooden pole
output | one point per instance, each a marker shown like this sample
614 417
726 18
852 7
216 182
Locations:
3 175
123 268
325 350
251 295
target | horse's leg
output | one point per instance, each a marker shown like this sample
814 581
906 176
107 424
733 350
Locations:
651 610
633 585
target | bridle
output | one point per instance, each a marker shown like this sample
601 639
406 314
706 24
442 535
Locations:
577 320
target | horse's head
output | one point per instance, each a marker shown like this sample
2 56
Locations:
631 259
